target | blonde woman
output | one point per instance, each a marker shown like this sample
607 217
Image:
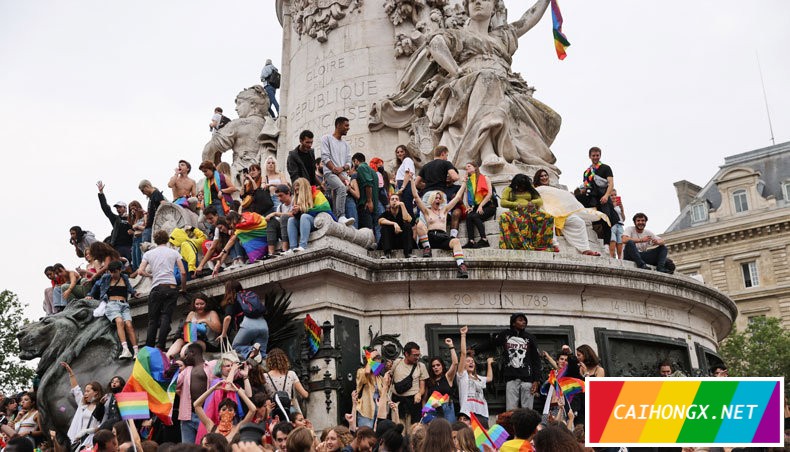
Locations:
273 177
308 201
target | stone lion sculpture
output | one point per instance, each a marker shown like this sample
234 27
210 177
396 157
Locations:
74 336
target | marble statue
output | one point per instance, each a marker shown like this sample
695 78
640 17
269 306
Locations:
89 345
252 137
459 88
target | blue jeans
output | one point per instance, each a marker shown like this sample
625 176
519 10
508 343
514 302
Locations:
376 226
300 229
189 429
655 256
351 211
276 202
147 235
251 331
448 410
137 253
270 90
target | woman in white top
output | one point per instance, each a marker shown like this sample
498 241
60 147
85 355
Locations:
471 386
26 424
280 377
90 410
272 177
403 177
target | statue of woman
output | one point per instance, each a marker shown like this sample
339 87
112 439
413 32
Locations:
462 82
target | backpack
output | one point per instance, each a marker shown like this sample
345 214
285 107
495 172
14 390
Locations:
223 122
281 399
250 304
274 79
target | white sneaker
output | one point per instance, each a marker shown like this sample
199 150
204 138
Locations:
287 252
346 221
298 249
100 310
125 354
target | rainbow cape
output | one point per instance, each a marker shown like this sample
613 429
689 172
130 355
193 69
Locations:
570 386
148 375
251 231
133 405
434 401
313 332
377 367
476 189
320 204
560 41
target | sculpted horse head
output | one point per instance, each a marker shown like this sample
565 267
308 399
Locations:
90 346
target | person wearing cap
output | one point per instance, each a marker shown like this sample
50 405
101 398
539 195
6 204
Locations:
278 229
113 290
122 232
523 367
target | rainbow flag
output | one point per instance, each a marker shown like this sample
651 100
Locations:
313 332
377 367
570 386
251 231
148 375
476 189
133 405
436 400
182 201
481 435
190 332
320 204
560 41
744 412
498 435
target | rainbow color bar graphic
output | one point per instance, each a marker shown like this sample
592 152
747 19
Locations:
684 411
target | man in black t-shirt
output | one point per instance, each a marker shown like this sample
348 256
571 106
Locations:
440 174
396 229
596 190
301 161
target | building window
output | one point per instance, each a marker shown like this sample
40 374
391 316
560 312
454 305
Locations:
740 201
699 212
750 277
753 318
786 191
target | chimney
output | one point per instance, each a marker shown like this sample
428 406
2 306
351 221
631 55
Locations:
686 192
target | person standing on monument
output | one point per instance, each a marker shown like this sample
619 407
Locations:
367 179
522 370
597 186
408 383
336 157
269 83
155 198
440 174
120 238
301 161
182 185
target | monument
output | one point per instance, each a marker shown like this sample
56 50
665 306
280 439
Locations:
346 58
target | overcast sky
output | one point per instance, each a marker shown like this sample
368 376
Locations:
120 91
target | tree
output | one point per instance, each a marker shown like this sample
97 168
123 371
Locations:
14 376
763 350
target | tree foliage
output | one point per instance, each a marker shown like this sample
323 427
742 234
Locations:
14 376
763 350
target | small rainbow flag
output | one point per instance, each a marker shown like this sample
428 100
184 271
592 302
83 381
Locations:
737 412
251 231
436 400
498 435
148 375
560 41
190 332
133 405
377 367
481 435
570 386
313 332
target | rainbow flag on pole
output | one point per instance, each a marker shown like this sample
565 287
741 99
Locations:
570 386
148 375
313 332
434 401
251 231
560 41
133 405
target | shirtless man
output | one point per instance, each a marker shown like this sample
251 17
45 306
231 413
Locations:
199 373
182 185
436 235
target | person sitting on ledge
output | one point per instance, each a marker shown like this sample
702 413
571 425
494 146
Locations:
396 230
440 174
525 226
307 202
277 221
436 217
113 289
643 247
481 203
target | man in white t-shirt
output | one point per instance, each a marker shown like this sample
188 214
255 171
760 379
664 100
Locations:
336 157
643 247
163 296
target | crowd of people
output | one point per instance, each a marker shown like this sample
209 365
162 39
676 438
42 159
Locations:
250 400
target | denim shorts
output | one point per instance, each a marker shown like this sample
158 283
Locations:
117 309
617 233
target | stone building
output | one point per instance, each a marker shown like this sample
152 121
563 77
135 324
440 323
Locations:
734 233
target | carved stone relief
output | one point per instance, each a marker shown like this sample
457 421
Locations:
316 18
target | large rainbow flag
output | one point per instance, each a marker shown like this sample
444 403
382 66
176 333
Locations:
251 231
320 203
148 375
560 41
476 189
684 411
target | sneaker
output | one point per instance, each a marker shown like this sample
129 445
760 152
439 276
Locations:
483 243
287 252
386 256
125 354
663 270
298 249
470 244
426 252
643 267
346 221
99 311
462 273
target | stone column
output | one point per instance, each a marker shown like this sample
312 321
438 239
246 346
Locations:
324 385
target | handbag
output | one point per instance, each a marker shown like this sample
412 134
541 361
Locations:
405 384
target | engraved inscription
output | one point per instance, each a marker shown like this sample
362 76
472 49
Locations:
648 310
